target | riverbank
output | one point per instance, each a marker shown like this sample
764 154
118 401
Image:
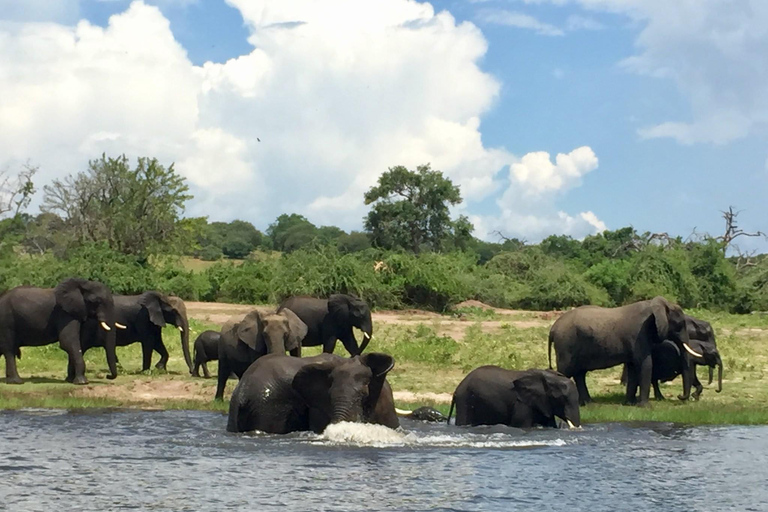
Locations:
432 353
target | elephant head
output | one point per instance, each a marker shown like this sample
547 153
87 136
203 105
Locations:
339 389
347 310
82 300
709 357
283 331
702 330
162 310
669 322
550 394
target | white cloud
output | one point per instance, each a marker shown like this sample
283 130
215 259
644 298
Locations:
577 22
518 20
336 93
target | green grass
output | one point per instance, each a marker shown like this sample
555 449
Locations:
433 356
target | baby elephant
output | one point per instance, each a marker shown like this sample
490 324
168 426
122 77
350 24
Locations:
668 364
206 349
490 395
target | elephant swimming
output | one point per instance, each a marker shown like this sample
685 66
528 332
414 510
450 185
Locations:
31 317
206 348
331 319
280 394
245 339
490 395
142 318
592 338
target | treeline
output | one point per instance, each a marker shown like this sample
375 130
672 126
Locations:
124 226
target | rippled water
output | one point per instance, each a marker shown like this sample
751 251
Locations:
184 460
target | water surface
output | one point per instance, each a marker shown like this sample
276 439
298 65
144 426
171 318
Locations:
184 460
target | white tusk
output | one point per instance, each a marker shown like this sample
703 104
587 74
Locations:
105 326
367 336
691 351
120 326
570 424
180 328
403 412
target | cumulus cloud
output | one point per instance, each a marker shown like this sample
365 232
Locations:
330 96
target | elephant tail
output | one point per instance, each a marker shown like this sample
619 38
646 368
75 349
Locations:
549 348
450 411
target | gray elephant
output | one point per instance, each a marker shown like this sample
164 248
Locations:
425 413
206 348
332 319
592 338
667 363
491 395
245 339
280 394
31 317
142 318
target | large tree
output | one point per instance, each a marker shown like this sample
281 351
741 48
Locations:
16 190
410 211
136 211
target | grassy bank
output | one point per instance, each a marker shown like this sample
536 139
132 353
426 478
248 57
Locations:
433 353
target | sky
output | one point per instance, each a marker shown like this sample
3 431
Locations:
553 116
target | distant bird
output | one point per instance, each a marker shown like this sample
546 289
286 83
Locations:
258 139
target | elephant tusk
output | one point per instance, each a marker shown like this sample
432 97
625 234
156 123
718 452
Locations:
367 336
403 412
105 326
691 351
180 328
570 424
120 326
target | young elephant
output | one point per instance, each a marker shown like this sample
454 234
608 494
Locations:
244 340
667 364
206 349
280 394
490 395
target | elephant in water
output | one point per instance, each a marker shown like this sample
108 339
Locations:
245 339
206 349
31 317
332 319
592 338
491 395
280 394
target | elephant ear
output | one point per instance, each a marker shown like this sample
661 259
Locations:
69 296
313 383
338 308
297 330
380 364
151 302
250 329
660 311
533 391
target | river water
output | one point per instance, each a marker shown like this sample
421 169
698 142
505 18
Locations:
185 461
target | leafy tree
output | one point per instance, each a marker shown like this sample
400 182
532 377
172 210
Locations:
291 232
410 211
353 242
135 211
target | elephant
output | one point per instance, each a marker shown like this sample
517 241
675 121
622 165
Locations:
423 414
490 395
245 339
698 330
667 364
279 394
142 318
31 316
206 349
331 319
592 338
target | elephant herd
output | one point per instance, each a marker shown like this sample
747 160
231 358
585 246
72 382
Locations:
279 393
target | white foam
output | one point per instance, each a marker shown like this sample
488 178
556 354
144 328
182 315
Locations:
365 434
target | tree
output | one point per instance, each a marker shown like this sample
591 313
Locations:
410 210
135 211
16 191
291 232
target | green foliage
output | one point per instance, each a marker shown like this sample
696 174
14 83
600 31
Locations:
410 211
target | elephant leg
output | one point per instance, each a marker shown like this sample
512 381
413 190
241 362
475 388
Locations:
581 386
11 373
329 345
69 341
205 371
146 354
623 379
350 343
657 391
222 380
696 384
632 382
196 368
160 348
644 375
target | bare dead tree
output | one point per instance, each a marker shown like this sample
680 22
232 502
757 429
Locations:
733 231
16 191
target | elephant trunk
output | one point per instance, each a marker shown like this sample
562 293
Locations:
367 329
110 345
346 410
711 374
719 374
184 335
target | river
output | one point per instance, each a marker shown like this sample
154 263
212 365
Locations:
185 461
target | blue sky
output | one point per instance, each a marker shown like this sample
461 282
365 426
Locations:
656 109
